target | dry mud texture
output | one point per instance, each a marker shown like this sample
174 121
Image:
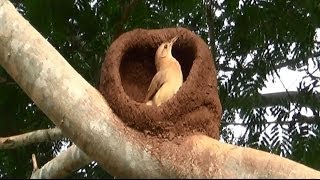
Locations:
129 68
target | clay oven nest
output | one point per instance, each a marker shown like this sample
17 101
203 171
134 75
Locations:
128 70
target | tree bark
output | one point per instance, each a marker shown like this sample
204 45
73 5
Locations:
29 138
84 116
62 165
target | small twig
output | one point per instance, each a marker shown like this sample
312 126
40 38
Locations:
34 162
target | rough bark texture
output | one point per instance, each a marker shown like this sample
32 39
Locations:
83 115
75 107
201 157
128 70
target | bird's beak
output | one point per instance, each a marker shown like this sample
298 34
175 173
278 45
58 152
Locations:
173 40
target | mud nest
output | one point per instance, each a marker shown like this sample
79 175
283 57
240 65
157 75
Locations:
129 68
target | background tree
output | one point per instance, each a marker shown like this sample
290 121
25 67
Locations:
274 34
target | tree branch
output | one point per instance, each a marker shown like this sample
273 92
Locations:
64 164
30 138
297 119
275 98
210 20
34 163
270 99
277 66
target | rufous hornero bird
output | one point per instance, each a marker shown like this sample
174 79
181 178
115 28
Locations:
168 78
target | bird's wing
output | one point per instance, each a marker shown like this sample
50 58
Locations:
157 81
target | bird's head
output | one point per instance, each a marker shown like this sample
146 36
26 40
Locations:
165 48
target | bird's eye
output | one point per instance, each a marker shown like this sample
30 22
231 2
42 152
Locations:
165 46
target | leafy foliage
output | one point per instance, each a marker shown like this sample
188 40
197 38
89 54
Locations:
252 41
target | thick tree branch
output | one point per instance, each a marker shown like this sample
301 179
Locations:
30 138
84 116
77 108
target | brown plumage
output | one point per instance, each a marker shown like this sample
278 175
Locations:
168 78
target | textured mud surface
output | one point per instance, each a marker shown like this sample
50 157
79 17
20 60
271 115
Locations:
127 72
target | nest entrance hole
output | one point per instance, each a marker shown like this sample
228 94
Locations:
137 66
